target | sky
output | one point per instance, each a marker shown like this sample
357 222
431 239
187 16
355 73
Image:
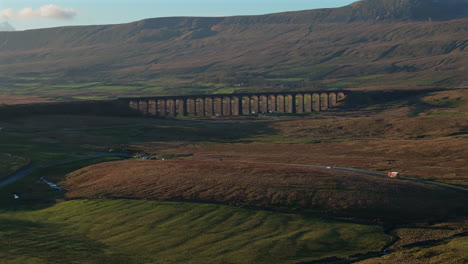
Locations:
31 14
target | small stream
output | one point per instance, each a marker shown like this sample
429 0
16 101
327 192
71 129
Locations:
51 184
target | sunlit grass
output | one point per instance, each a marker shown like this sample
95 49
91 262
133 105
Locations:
123 231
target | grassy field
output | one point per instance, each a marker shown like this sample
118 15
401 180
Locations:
438 232
31 91
451 251
163 232
10 163
33 230
44 139
439 244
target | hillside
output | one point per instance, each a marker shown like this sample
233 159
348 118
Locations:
368 43
266 185
160 232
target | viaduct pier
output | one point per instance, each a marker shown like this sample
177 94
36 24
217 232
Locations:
235 104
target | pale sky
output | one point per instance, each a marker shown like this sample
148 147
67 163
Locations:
30 14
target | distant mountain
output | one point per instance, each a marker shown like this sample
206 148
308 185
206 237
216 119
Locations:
406 10
5 26
367 43
388 11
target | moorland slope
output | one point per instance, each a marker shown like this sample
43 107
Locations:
368 43
267 185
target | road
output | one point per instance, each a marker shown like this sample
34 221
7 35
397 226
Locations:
453 188
22 173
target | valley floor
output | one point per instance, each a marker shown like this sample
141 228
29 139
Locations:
245 161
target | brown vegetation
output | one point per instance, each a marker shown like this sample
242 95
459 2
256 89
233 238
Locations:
266 185
441 160
20 99
430 147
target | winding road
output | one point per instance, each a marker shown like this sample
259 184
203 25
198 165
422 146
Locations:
453 188
22 173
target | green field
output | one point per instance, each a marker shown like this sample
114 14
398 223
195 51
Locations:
122 231
453 252
10 163
44 139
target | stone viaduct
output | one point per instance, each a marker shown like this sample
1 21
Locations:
235 104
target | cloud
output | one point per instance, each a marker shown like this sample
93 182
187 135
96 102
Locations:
7 14
47 11
53 11
27 13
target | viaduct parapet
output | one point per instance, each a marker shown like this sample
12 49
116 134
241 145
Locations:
235 104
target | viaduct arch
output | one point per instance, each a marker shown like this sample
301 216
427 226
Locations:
235 104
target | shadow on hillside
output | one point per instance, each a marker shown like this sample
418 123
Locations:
382 100
135 130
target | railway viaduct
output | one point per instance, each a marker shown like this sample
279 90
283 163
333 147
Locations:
235 104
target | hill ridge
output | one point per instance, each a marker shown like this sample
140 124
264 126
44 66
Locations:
322 48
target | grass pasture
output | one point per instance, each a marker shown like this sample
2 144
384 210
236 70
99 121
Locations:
31 91
122 231
10 163
452 251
